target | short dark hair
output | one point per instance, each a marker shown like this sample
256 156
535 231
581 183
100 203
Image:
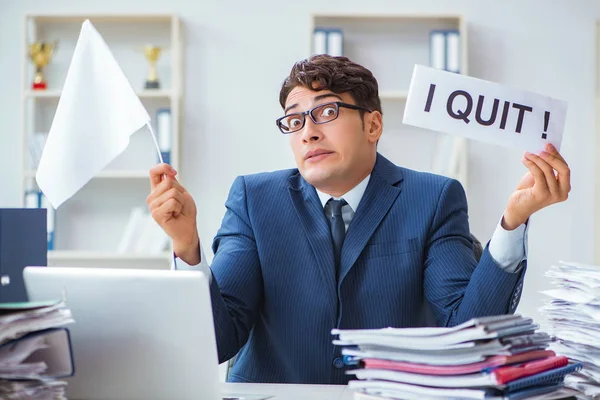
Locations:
337 74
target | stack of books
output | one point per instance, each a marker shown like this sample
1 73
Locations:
573 315
497 357
35 350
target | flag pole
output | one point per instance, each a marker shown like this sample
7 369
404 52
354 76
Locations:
155 142
161 161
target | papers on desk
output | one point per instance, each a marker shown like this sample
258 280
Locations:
499 357
18 319
573 314
34 350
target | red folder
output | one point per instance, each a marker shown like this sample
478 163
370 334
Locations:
510 373
495 361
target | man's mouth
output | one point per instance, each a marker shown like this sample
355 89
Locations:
317 155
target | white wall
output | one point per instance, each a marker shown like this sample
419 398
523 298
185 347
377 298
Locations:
238 52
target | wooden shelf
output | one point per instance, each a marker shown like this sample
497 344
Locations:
120 18
115 174
391 16
142 94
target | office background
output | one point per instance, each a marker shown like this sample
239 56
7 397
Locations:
236 54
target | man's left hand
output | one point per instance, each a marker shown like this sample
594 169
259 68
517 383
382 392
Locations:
547 182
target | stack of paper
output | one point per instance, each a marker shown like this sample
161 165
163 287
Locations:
573 313
498 357
34 351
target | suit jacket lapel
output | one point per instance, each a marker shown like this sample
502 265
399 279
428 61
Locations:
380 195
315 225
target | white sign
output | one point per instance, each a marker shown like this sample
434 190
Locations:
483 110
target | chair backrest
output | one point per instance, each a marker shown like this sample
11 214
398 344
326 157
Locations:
477 248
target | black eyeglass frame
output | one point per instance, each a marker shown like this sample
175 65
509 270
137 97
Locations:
303 115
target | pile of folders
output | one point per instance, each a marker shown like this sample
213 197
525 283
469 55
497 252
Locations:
35 350
497 357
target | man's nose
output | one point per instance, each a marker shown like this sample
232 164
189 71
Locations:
311 132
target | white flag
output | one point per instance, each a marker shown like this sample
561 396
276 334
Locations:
97 113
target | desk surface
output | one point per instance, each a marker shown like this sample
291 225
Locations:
289 392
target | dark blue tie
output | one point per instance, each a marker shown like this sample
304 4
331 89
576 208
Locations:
338 228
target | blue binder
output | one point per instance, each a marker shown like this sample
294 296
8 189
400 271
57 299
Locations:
537 391
548 378
23 242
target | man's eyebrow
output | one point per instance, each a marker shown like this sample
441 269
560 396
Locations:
319 97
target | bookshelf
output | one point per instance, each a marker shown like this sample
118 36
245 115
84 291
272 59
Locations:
90 225
390 45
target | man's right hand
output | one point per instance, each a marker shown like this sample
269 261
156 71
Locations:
173 208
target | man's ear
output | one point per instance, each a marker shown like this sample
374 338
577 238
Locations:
374 126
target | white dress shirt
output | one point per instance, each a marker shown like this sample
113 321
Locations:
507 248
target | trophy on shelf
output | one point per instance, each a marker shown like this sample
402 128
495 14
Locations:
40 54
152 54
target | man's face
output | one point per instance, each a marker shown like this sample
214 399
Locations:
337 152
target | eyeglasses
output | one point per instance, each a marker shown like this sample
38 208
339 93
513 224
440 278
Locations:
320 114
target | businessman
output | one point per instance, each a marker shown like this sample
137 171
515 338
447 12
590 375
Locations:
347 239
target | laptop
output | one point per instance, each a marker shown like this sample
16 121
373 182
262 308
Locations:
138 334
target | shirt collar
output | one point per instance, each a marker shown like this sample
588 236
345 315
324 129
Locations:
353 197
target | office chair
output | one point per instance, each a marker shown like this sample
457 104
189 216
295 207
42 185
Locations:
477 248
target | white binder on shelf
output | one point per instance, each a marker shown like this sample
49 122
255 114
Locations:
444 50
153 239
437 50
31 196
164 132
132 231
328 41
335 42
142 235
320 41
453 51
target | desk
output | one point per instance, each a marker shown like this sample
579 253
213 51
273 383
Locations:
289 392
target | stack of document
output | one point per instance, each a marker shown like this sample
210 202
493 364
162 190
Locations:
573 314
35 351
497 357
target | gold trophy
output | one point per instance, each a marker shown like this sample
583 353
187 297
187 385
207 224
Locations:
40 54
152 54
